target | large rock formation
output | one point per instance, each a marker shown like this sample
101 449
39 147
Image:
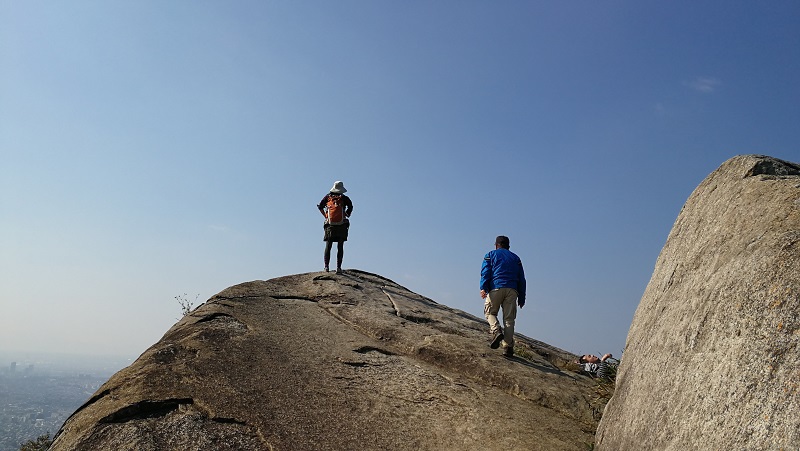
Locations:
335 362
711 360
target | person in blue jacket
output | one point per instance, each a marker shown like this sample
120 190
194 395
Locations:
502 285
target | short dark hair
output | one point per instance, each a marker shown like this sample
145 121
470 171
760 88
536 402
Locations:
503 242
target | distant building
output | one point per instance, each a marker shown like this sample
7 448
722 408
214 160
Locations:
12 368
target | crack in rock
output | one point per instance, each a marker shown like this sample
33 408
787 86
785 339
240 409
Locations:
366 349
146 409
221 322
228 421
217 299
292 297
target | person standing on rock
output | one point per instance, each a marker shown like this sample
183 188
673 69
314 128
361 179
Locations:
502 286
336 208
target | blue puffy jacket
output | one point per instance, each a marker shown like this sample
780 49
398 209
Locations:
503 269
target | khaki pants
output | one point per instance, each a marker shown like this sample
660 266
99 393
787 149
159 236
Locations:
507 299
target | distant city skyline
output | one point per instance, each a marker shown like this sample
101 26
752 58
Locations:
44 362
36 398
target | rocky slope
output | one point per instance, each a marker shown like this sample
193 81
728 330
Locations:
711 356
320 361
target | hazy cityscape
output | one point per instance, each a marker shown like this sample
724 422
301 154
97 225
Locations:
39 392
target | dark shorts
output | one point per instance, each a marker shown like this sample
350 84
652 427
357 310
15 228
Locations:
336 232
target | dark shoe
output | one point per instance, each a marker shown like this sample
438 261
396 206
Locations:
508 352
339 271
498 337
327 269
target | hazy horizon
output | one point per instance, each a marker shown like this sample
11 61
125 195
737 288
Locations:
112 363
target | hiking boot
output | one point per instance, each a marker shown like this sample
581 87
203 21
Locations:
327 269
496 339
508 351
339 271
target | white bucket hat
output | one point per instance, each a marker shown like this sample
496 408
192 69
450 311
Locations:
338 188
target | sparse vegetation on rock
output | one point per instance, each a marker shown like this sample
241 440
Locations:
41 443
186 304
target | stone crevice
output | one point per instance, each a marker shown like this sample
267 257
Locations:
146 409
217 299
292 297
216 317
367 349
228 421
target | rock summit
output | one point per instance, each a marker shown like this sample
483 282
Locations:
320 361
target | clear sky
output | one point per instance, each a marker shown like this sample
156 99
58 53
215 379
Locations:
151 149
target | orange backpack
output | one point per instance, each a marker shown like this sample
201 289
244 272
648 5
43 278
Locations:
335 207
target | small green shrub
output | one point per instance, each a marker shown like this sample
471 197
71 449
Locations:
524 352
42 443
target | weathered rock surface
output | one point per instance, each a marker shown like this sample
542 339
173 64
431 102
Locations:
711 360
335 362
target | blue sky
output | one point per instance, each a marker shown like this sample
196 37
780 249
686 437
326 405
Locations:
151 149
